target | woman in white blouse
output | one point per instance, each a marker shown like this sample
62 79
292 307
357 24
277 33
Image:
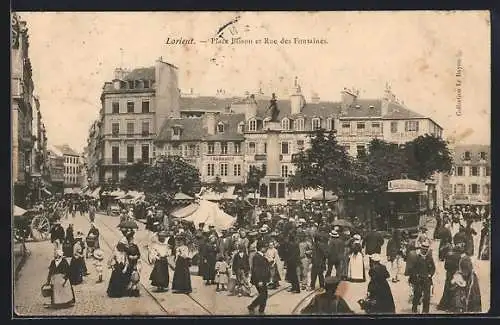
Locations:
160 251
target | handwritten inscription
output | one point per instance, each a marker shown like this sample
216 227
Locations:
458 84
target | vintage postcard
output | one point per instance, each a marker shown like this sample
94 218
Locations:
250 163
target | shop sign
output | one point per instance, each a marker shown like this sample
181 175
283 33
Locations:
406 184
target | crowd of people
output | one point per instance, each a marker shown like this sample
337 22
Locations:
309 242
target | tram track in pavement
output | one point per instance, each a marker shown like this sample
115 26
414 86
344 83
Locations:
145 262
302 303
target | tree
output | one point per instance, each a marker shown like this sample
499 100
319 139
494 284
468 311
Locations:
134 178
426 155
168 176
325 165
254 176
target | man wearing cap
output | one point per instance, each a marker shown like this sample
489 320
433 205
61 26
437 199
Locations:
261 275
335 253
420 276
329 302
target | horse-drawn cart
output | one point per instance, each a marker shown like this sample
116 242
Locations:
33 223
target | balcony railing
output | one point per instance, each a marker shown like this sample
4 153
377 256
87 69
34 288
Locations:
129 135
123 161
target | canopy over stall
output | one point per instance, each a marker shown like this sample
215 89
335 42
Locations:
213 196
208 213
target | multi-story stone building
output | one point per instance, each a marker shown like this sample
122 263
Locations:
470 178
134 104
72 165
22 88
94 153
225 136
56 167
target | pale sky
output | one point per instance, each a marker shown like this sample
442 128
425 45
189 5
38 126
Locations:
73 54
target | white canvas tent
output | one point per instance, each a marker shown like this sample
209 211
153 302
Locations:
210 213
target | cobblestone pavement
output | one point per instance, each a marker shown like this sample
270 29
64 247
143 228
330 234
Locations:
204 300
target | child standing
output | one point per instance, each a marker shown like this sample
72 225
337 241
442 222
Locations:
98 258
221 269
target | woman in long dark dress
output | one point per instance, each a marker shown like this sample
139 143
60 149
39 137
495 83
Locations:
210 260
76 266
118 280
469 235
467 295
181 282
134 267
69 241
159 253
451 266
379 291
62 294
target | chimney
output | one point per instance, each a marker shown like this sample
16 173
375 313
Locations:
388 98
209 122
120 73
250 107
297 101
348 98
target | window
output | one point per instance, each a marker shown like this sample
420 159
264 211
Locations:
460 171
482 155
284 148
473 188
130 154
130 129
284 171
459 189
346 126
197 150
361 151
285 124
281 190
300 144
252 125
145 107
474 171
237 170
177 131
265 147
487 171
237 147
272 189
360 126
115 129
131 84
220 128
467 155
394 127
115 174
223 169
300 124
375 125
211 148
223 148
347 148
116 107
115 155
145 129
411 126
251 147
210 169
241 127
145 153
316 123
130 107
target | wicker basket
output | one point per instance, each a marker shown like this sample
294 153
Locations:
46 290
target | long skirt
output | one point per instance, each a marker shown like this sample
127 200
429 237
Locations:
160 275
356 268
76 270
117 283
62 292
210 272
446 301
181 281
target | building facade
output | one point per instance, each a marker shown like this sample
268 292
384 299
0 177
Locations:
134 104
470 178
56 167
94 153
22 111
72 165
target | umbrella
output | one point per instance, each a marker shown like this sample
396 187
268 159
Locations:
128 224
343 223
18 211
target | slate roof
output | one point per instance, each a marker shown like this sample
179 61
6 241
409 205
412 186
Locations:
474 149
141 74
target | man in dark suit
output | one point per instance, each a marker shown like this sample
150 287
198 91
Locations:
293 262
261 274
336 247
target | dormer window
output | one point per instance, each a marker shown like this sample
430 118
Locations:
252 125
330 124
316 123
131 84
285 124
241 127
177 131
264 122
482 155
220 127
300 124
466 155
146 84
